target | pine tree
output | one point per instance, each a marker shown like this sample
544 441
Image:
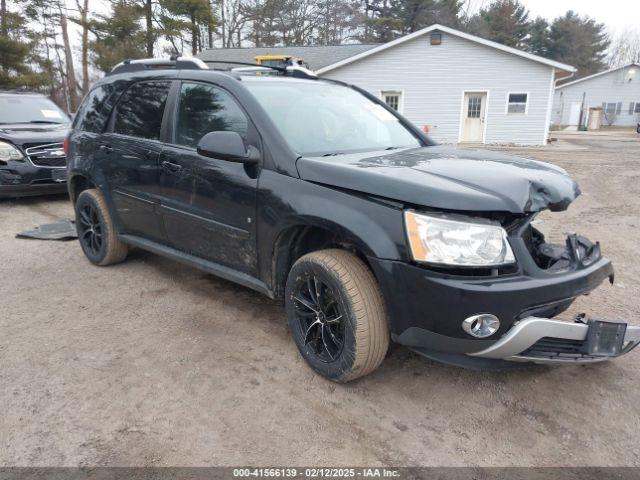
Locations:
581 42
538 41
389 19
119 36
190 16
505 22
17 52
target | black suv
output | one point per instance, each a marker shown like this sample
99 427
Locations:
315 192
32 158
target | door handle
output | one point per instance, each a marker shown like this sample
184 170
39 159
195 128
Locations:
172 167
105 148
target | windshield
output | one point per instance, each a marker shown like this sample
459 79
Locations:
29 109
323 119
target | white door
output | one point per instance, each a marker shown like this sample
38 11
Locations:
574 113
474 109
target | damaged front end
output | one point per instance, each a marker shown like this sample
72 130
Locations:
533 338
492 317
578 251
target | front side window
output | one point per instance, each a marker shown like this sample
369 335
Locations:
392 99
318 118
25 108
517 103
205 108
140 109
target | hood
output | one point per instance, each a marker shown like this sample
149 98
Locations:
26 133
448 178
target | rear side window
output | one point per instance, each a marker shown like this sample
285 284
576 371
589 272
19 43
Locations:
95 109
204 109
140 109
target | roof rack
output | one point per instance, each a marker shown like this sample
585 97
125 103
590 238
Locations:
189 63
252 68
175 62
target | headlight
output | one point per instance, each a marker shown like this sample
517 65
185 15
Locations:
9 152
452 242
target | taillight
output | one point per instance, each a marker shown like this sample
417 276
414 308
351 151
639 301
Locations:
65 145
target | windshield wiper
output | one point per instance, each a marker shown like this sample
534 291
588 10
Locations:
392 148
44 121
332 154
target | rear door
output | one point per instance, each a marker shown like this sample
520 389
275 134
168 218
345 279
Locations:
208 204
130 152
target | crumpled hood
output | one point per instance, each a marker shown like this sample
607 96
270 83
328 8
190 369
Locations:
448 178
22 133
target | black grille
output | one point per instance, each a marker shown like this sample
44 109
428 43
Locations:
548 347
49 155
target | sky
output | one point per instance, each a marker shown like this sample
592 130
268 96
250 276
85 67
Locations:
618 15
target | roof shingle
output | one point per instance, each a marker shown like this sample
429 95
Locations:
316 56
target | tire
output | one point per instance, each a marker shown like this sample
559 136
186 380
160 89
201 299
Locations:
349 337
96 232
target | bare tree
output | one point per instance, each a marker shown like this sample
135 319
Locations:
70 69
83 21
625 47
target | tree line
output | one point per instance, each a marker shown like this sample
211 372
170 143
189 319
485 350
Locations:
38 48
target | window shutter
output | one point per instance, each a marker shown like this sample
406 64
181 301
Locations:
631 105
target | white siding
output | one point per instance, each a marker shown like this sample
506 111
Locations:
433 79
612 87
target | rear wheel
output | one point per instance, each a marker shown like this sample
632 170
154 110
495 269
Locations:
96 232
336 314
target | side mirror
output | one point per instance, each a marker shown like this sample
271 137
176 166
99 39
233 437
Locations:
227 146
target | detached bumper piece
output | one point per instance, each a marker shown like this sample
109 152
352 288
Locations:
546 341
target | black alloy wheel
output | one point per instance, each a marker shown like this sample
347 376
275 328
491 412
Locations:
90 229
318 313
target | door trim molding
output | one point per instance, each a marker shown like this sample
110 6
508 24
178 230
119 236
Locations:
199 263
462 112
214 224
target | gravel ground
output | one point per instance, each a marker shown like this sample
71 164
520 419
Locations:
153 363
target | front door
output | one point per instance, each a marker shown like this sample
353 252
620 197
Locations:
474 109
208 204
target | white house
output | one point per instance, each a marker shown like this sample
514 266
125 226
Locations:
617 91
464 88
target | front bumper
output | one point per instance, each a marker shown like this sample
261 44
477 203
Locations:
426 308
545 341
22 178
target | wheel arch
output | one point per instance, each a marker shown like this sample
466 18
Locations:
310 235
77 184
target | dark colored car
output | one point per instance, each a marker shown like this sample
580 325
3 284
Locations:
32 158
315 192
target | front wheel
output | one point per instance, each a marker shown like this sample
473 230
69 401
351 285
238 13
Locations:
336 314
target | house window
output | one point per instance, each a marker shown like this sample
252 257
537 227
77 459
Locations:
392 99
637 107
609 108
517 103
631 106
